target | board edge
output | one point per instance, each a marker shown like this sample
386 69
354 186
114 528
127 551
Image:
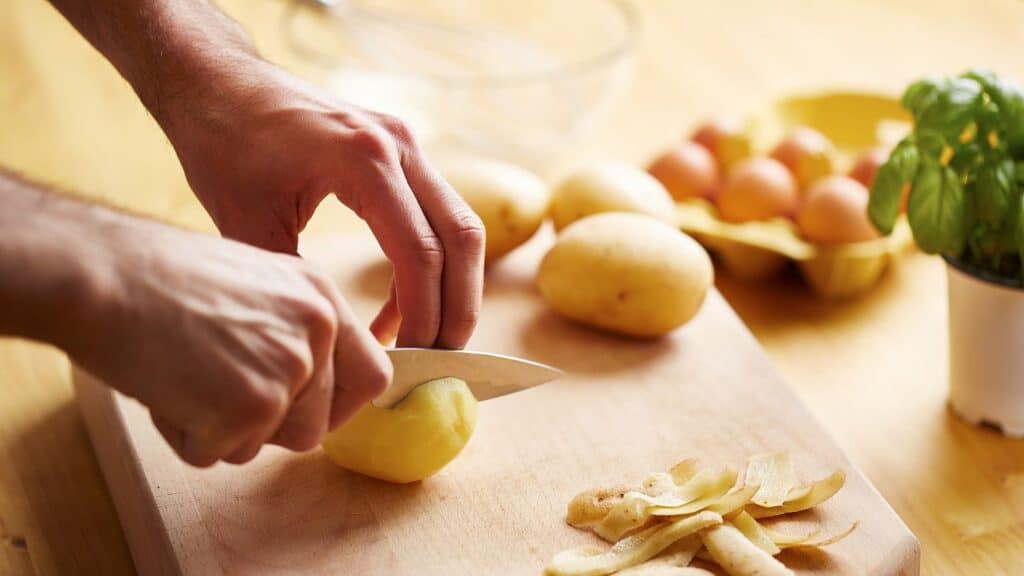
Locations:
136 505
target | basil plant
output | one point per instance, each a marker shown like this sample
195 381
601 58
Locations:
963 166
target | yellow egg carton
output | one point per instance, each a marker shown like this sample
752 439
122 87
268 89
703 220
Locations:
757 250
853 122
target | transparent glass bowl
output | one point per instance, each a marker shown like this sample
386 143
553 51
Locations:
520 81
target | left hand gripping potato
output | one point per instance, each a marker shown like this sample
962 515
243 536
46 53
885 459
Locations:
411 441
626 273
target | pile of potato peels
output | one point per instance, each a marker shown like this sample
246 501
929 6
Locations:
659 527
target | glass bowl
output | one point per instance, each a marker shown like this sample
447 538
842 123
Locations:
518 81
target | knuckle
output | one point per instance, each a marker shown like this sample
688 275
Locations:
198 458
264 404
296 366
319 318
379 377
459 327
398 129
469 235
428 253
300 435
372 143
374 377
300 440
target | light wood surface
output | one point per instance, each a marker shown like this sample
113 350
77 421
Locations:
873 371
623 409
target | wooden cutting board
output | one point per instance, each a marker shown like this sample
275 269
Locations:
624 409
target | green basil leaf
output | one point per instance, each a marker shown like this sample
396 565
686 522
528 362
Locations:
983 76
994 189
887 189
936 210
1013 109
954 106
930 143
1008 99
920 96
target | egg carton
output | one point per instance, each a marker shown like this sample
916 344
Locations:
759 250
853 121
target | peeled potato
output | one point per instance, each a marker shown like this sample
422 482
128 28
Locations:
625 273
609 187
807 154
836 212
725 139
758 189
687 171
411 441
511 202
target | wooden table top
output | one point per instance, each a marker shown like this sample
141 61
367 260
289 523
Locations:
873 370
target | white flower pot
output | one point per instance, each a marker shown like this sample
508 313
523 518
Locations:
986 351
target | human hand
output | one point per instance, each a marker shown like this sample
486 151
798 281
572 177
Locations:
229 346
261 150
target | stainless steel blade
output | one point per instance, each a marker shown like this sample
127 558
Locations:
488 375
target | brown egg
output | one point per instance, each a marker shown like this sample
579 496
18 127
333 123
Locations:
867 166
758 189
687 171
807 154
835 211
725 139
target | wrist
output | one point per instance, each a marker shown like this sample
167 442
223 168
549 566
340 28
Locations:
55 281
178 64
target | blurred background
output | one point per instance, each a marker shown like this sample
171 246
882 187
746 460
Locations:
548 84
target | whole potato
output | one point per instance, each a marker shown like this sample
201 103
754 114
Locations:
609 187
511 201
626 273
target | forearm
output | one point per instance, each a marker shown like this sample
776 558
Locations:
51 264
167 50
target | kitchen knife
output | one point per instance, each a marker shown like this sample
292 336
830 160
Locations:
488 375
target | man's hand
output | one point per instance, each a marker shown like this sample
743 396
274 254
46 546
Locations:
229 346
262 150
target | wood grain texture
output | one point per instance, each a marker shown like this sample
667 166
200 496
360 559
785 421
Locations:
872 370
624 408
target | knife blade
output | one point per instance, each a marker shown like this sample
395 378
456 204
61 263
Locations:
488 375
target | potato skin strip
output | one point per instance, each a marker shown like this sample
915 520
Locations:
713 493
734 501
680 553
658 483
659 526
677 556
628 515
776 475
754 532
589 507
684 470
635 510
798 492
731 550
820 491
789 541
664 570
808 543
633 549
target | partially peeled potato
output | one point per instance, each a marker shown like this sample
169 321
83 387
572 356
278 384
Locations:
411 441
